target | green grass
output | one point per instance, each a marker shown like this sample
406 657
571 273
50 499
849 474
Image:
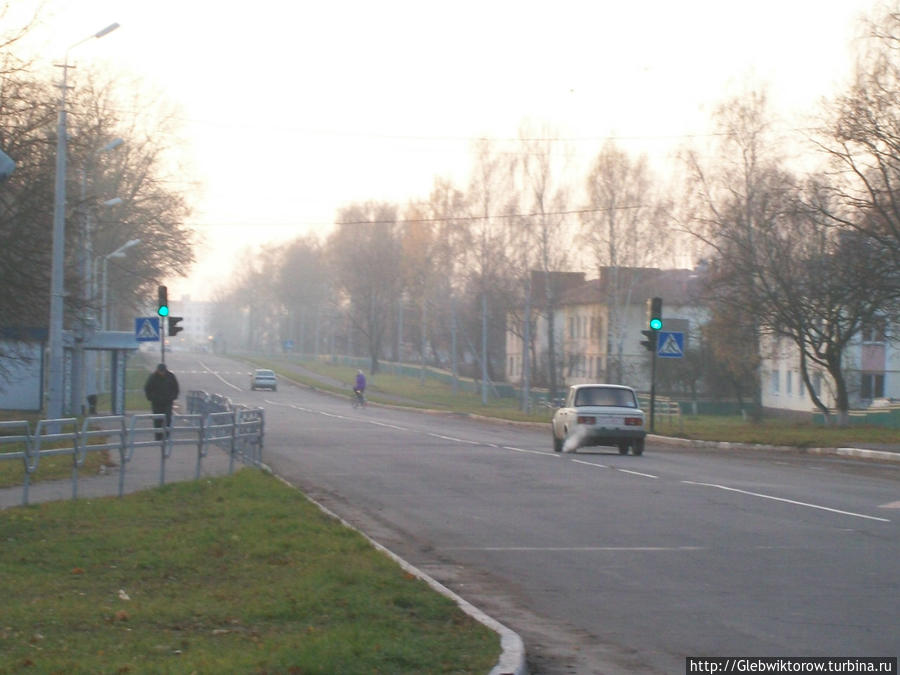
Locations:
387 388
773 431
434 394
239 574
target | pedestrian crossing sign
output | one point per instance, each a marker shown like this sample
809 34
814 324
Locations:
146 329
670 344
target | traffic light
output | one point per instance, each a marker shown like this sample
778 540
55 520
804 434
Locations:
650 342
174 328
162 301
656 314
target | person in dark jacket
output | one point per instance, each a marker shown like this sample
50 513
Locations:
161 389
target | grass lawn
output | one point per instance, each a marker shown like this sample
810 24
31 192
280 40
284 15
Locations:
239 574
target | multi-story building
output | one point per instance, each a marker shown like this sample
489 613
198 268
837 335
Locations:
871 368
597 324
196 322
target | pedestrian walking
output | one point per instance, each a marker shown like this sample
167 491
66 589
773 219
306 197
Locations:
161 389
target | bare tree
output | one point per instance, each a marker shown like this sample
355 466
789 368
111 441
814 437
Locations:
625 222
433 234
778 260
364 252
541 239
303 287
862 139
487 198
735 200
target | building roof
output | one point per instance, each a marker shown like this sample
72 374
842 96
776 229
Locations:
676 287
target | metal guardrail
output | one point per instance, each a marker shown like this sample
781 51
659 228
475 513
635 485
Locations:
210 420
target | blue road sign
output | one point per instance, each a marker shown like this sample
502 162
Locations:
670 344
146 329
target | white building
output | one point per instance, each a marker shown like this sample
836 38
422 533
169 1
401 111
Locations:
597 331
196 322
871 367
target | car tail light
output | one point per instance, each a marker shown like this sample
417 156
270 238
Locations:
633 421
586 419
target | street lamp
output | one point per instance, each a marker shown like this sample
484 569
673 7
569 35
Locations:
55 401
118 253
83 361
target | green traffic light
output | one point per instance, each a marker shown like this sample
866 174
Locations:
163 311
655 324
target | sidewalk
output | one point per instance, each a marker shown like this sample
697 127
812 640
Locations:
141 473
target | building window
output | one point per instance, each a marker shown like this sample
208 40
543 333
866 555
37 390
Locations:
789 382
872 386
875 330
776 381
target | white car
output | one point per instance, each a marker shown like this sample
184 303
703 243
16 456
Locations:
262 378
599 414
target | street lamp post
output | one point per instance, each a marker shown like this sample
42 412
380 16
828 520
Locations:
104 321
57 298
84 362
118 253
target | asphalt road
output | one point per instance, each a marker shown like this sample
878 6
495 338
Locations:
603 563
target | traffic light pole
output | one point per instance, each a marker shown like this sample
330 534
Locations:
653 392
162 339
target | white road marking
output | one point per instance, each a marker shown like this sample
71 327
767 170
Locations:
389 426
530 452
455 440
581 461
222 379
636 473
890 505
787 501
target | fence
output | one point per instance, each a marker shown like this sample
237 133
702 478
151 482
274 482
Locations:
210 420
664 408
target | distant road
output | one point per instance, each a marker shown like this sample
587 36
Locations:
603 563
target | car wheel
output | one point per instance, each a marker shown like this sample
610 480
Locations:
623 447
557 443
638 446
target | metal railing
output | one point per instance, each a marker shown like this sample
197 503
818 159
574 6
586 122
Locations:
210 420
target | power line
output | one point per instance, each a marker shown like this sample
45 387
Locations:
502 216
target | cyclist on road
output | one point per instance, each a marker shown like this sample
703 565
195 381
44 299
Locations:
360 387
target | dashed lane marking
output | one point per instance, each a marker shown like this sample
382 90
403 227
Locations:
389 426
530 452
455 440
636 473
599 466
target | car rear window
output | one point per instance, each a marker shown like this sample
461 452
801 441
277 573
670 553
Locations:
605 396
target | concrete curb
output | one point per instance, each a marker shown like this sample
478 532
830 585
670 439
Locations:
512 654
